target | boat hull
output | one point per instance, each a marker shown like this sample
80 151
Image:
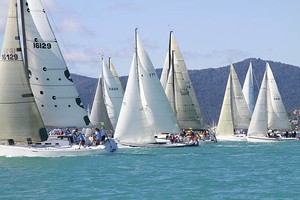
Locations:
152 145
268 139
233 138
109 147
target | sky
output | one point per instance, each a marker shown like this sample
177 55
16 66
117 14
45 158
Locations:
210 33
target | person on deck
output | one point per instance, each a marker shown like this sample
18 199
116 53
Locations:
103 134
98 136
81 140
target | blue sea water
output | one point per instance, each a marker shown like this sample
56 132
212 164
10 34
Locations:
228 170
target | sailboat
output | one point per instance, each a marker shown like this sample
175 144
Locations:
176 81
47 99
269 112
108 99
234 114
145 108
248 89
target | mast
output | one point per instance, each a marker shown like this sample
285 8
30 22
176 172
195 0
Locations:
173 81
136 58
25 58
170 50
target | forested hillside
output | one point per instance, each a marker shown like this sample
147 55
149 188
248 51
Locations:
210 84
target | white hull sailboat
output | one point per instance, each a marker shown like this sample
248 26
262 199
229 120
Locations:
177 84
145 110
234 114
269 113
48 98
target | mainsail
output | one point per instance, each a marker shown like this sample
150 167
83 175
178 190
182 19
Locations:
145 109
57 99
20 116
115 74
179 88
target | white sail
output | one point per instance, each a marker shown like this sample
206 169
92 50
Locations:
115 74
248 89
53 88
187 110
240 110
259 122
277 116
20 118
234 113
145 109
99 116
113 94
269 111
225 124
165 72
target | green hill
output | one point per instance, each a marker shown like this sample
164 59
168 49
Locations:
209 85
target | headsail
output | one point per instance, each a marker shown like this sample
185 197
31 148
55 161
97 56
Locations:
53 88
259 122
225 124
99 116
20 116
248 89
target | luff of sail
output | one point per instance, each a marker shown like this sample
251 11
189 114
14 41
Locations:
55 93
20 116
145 109
113 93
248 89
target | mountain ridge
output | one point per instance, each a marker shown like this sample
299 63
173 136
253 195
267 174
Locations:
210 84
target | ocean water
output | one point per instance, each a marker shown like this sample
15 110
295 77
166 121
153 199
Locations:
228 170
